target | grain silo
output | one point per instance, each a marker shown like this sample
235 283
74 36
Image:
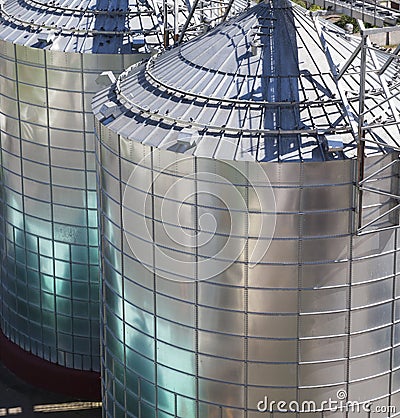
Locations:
249 196
51 56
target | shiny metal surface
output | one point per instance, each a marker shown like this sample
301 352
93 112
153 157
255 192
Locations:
281 104
51 54
107 26
314 316
50 273
305 322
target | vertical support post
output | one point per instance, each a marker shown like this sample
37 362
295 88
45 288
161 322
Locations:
176 24
166 34
361 132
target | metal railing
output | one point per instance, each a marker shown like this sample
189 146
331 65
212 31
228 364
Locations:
362 131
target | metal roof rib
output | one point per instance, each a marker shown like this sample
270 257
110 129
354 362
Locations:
98 26
260 86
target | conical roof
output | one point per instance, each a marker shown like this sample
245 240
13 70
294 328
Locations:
258 87
98 26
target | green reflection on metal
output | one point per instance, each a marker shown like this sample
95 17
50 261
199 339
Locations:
40 278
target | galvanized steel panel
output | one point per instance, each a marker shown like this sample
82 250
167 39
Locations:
51 236
314 313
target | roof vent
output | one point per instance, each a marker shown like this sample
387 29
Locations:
255 44
188 137
47 36
109 109
106 78
349 27
138 42
334 143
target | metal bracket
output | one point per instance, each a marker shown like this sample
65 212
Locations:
364 128
362 131
370 184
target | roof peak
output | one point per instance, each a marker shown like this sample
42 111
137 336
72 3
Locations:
258 87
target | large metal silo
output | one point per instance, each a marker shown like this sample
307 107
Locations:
248 186
51 55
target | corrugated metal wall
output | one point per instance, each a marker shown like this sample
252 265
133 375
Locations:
50 274
317 315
